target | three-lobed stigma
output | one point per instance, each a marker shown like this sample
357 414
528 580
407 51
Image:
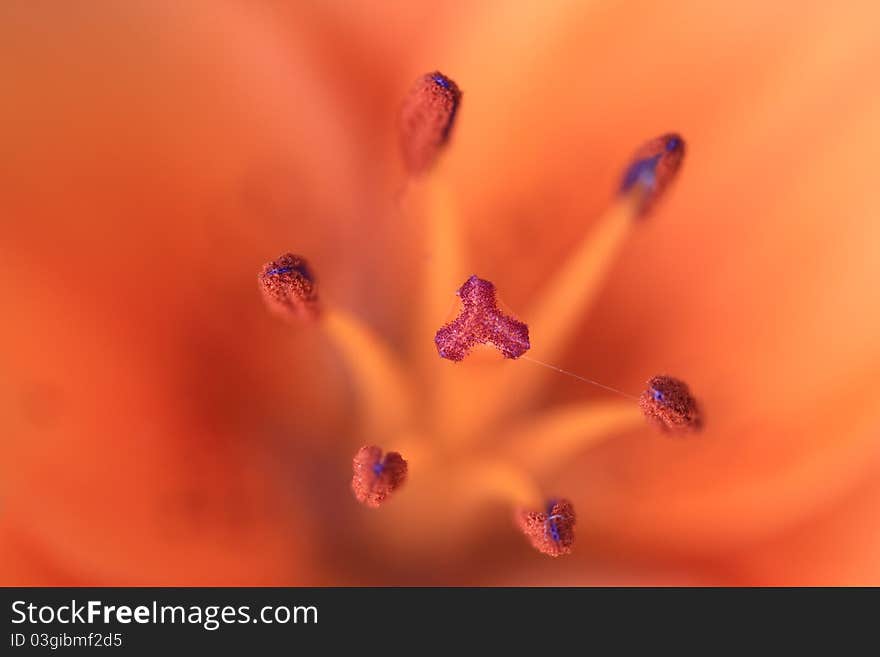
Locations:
668 403
550 531
289 288
652 169
426 120
481 322
375 478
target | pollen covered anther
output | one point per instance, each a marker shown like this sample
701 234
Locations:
426 120
550 531
652 169
668 403
481 322
289 288
375 477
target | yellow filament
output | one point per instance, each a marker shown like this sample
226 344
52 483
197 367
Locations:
553 438
554 316
497 480
377 377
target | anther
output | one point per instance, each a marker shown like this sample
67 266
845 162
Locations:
426 120
481 322
550 531
289 288
375 477
668 403
652 169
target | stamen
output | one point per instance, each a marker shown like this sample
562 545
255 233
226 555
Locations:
550 531
290 291
652 169
668 403
289 288
375 478
481 322
426 120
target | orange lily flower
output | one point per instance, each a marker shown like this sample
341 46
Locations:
161 427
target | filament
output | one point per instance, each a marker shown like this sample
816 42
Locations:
553 318
551 439
502 481
377 377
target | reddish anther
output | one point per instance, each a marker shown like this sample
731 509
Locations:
550 531
289 288
668 403
652 169
426 120
375 478
481 322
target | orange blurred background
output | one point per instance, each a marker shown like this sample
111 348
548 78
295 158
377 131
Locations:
158 426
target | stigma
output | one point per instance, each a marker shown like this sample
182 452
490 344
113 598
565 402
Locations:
481 322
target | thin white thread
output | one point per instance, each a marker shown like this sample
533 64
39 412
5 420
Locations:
579 378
